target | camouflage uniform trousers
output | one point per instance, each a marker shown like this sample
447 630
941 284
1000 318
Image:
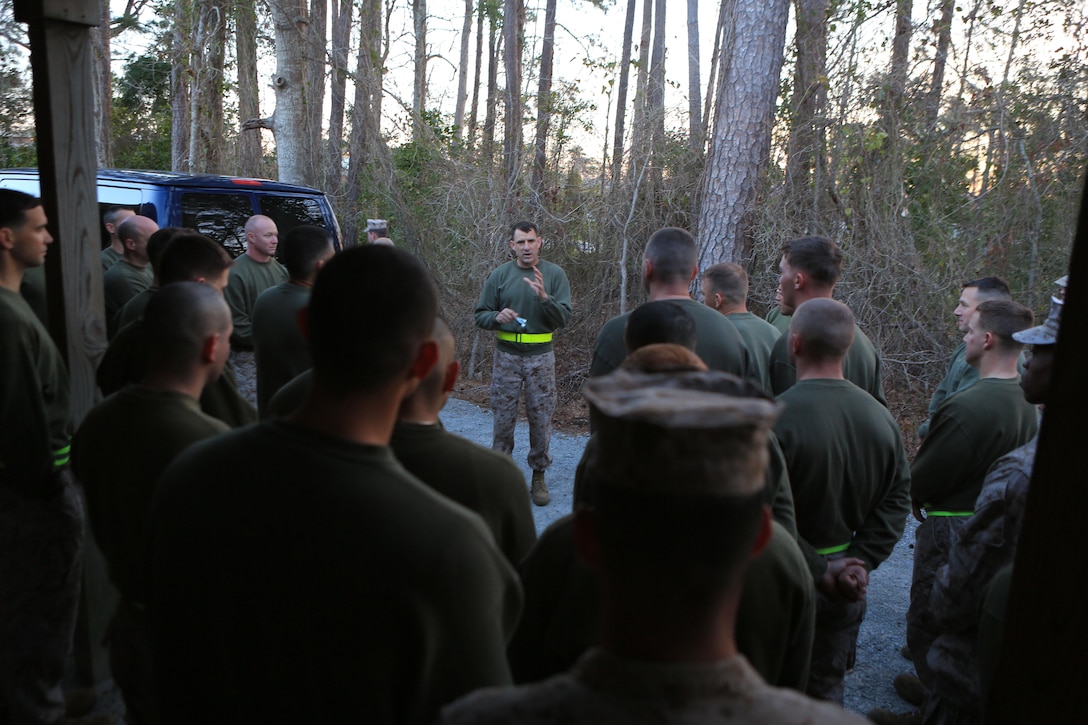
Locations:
535 374
933 540
41 566
834 645
131 664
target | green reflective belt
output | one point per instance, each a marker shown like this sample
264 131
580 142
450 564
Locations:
61 456
949 513
525 337
833 549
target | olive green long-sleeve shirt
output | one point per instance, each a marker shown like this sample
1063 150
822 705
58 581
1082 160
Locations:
848 471
506 287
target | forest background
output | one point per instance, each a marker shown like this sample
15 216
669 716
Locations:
935 140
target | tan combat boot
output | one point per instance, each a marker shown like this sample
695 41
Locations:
539 490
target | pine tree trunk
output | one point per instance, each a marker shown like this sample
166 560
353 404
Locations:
809 102
341 45
621 92
695 102
419 68
249 142
543 103
740 146
364 118
513 20
473 117
462 70
103 89
181 62
940 62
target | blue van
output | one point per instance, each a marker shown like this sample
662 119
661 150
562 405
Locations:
216 206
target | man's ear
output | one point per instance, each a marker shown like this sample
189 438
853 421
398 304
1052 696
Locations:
799 280
129 243
426 357
587 543
452 371
694 273
207 350
647 268
7 238
796 343
717 297
989 339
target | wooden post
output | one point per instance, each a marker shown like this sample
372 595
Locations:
1043 665
61 59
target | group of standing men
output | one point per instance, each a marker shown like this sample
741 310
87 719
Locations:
294 570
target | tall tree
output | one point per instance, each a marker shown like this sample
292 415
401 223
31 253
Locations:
543 102
695 102
365 111
740 147
315 71
512 23
809 101
245 49
419 67
181 61
640 131
341 41
472 116
897 74
462 69
940 62
494 44
206 92
296 143
103 88
621 92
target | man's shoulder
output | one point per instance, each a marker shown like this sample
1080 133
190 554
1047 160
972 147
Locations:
553 700
547 267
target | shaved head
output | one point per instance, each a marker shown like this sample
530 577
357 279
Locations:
673 253
138 228
663 321
826 328
178 321
431 395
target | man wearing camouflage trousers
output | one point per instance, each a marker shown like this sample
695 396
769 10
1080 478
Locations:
525 301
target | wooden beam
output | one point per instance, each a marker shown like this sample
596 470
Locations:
64 118
1043 666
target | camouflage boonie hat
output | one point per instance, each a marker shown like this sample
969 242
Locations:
690 433
376 225
1046 333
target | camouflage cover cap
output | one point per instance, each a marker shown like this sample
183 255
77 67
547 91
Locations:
690 433
1046 333
376 225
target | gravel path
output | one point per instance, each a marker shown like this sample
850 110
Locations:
883 632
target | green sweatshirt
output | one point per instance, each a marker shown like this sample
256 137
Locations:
506 287
248 279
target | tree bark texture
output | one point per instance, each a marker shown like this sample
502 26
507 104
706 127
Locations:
940 63
245 44
365 125
342 11
513 21
809 102
747 90
695 102
419 67
103 88
316 67
621 92
640 127
181 62
462 70
897 74
491 105
295 150
206 96
543 103
475 106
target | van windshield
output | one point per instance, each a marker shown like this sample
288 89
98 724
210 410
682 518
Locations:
222 216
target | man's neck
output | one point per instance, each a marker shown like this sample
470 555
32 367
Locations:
365 418
190 384
306 282
257 256
732 310
675 291
667 636
135 262
818 369
117 246
998 366
11 273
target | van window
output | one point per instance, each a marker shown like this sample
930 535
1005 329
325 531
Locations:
291 211
221 217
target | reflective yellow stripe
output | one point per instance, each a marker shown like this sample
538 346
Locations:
61 456
833 549
949 513
525 337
